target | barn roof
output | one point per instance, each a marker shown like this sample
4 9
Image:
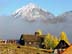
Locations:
29 37
68 50
62 45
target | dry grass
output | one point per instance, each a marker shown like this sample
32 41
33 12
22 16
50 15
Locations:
12 49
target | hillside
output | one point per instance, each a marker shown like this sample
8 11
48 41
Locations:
12 49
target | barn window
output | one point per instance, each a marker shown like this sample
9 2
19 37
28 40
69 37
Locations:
30 43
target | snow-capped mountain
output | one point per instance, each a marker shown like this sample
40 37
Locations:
31 12
66 17
11 27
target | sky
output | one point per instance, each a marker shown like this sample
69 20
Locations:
7 7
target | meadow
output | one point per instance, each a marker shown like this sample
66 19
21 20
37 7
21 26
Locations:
17 49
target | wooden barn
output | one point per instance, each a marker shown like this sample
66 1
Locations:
62 45
32 40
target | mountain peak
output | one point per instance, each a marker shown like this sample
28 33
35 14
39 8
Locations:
27 7
32 12
32 5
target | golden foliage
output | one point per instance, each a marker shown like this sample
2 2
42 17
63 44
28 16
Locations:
40 32
55 41
63 36
47 40
50 41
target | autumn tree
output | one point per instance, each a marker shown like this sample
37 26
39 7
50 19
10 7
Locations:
40 32
47 41
63 36
55 42
50 41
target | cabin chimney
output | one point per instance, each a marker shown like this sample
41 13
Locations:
36 33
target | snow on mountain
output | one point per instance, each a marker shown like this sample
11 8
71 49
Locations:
31 12
11 27
66 17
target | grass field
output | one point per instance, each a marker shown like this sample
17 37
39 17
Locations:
17 49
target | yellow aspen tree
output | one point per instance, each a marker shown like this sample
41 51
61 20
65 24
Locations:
55 41
47 40
51 42
40 32
63 36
